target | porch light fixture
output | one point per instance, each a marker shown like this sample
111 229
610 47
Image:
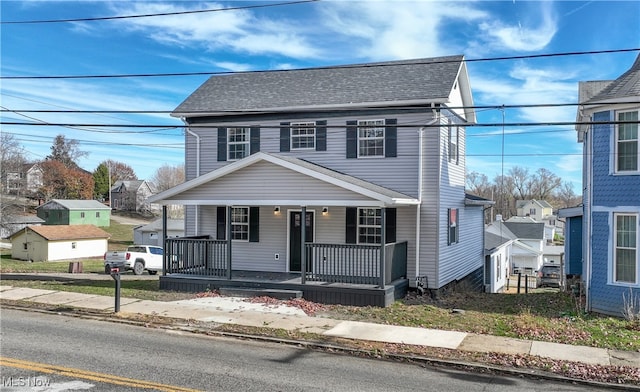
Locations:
276 210
325 211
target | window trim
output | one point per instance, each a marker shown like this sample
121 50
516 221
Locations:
360 126
614 247
378 226
454 135
246 142
307 125
617 142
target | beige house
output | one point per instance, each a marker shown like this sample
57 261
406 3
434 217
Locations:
58 242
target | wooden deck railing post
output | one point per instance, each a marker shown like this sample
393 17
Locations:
229 242
383 240
303 240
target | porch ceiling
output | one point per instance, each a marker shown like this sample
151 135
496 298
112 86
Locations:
267 179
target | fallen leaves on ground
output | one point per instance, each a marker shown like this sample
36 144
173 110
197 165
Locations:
310 308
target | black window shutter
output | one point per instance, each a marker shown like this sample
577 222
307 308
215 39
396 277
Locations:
352 139
321 135
222 144
254 224
351 227
254 144
391 138
285 136
390 225
221 223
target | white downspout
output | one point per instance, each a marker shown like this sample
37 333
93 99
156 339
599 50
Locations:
420 186
197 222
587 215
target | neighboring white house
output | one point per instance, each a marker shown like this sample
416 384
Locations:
498 252
58 242
540 211
151 234
527 246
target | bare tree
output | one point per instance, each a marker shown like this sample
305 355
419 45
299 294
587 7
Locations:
11 162
543 184
66 151
119 171
167 177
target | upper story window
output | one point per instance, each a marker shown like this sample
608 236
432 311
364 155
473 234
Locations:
454 148
532 211
238 141
625 258
369 225
371 138
627 157
303 136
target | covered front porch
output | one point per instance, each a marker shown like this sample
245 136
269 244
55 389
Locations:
361 275
329 237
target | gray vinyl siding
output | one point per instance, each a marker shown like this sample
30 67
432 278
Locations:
397 173
264 180
274 235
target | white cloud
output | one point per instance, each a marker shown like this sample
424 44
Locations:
525 35
401 29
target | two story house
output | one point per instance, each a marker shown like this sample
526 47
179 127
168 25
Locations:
345 182
131 195
608 129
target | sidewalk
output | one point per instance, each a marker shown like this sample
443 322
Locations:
231 310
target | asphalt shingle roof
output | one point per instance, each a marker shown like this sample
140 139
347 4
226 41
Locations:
78 204
627 85
68 232
429 79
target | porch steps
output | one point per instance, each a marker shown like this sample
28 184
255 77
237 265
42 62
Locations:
259 292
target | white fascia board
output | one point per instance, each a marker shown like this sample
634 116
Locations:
276 202
312 108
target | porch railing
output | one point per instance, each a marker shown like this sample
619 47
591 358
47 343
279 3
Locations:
196 256
357 264
330 263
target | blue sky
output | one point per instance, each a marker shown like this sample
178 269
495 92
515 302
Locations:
298 36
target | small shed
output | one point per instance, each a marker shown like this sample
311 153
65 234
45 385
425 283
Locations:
151 234
58 242
75 212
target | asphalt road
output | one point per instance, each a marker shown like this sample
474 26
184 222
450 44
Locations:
67 353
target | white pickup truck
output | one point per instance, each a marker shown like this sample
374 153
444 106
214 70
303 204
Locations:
137 258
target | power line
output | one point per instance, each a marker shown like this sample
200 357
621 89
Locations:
156 14
213 125
212 73
366 108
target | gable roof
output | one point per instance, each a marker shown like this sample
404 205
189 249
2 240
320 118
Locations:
66 232
392 83
541 203
526 230
129 185
379 194
625 86
76 204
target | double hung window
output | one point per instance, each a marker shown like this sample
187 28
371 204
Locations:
627 140
238 140
303 136
371 138
625 258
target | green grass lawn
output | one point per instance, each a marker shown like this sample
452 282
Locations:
7 264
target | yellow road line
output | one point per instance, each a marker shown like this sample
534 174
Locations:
88 375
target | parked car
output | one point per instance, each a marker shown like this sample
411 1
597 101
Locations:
550 275
137 258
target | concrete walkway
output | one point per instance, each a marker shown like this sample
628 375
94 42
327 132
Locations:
241 312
